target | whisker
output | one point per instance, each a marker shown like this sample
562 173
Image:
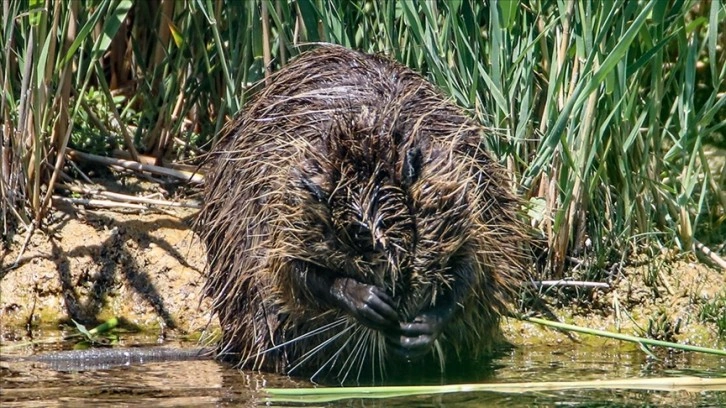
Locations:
353 353
372 346
310 353
335 356
314 332
362 358
317 348
381 343
439 351
376 350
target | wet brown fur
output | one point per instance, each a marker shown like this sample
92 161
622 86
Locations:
321 150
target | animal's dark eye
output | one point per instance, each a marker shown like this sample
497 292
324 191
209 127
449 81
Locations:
317 192
411 166
360 237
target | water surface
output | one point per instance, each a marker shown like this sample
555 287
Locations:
209 383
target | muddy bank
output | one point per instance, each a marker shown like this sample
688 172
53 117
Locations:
146 267
143 267
660 299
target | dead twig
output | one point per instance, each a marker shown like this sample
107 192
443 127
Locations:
89 202
569 283
128 198
136 166
144 159
699 247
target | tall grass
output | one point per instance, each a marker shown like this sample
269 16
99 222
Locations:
602 110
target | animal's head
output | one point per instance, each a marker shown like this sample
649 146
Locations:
385 205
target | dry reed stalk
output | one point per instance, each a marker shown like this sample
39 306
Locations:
125 198
98 203
136 166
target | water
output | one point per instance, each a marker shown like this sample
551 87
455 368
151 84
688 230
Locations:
209 383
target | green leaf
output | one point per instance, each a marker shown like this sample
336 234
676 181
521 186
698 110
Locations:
110 27
507 12
35 12
176 35
309 16
82 329
83 33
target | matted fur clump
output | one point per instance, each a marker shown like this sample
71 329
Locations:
352 219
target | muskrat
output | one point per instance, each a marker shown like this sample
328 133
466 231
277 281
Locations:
352 219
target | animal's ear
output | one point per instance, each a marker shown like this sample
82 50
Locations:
315 189
411 168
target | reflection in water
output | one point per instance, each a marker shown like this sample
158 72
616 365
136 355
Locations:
209 383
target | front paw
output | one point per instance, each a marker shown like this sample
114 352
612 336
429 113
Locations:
419 336
369 304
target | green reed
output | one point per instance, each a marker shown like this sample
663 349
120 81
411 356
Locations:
606 112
